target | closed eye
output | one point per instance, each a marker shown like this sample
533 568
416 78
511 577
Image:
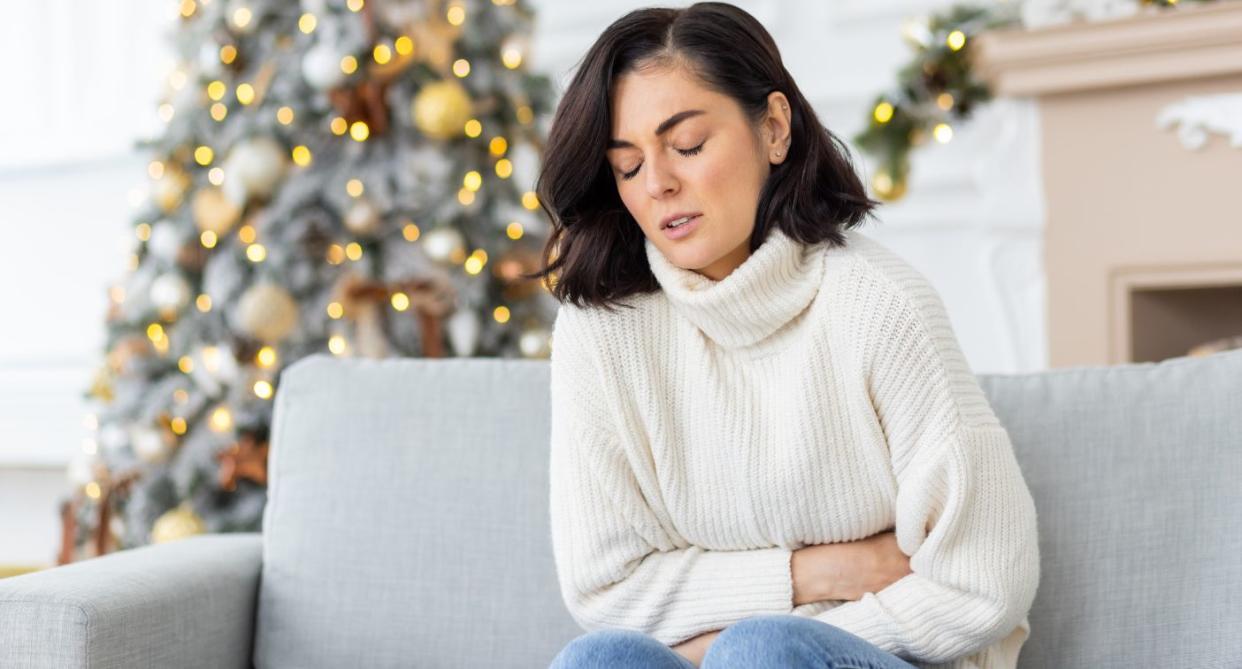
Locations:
686 152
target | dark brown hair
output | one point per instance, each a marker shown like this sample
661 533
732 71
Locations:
595 254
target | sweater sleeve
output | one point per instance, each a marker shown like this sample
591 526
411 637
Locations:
964 514
616 564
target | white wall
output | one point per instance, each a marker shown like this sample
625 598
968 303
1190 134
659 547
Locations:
87 79
80 85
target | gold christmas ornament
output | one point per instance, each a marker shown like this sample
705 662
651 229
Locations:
169 189
177 523
267 312
888 188
440 109
213 211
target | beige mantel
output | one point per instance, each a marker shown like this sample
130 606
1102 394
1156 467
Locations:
1143 236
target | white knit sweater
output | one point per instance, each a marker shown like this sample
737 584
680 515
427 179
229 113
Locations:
814 395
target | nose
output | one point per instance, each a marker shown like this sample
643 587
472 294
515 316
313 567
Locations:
660 179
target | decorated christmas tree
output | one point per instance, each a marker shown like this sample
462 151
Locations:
348 177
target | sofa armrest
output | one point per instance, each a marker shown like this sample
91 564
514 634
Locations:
187 603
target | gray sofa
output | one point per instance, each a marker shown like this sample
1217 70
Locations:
407 526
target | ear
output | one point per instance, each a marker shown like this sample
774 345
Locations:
778 127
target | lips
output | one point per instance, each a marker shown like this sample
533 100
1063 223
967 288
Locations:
679 215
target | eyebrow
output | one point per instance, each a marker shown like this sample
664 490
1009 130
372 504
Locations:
661 129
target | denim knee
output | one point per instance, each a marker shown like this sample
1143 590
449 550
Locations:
769 636
608 648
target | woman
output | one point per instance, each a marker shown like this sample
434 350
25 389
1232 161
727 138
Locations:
767 448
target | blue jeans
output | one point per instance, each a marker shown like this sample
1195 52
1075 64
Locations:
774 641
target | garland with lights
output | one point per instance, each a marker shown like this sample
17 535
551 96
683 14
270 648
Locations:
938 87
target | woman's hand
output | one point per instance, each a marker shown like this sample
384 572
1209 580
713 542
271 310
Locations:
846 571
694 649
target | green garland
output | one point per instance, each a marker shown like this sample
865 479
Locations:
934 90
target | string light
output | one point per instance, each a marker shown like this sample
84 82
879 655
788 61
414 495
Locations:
359 131
256 253
956 40
354 187
498 146
228 53
943 133
245 94
307 23
504 168
242 16
301 155
203 155
187 8
143 231
883 112
400 301
218 111
216 90
263 389
411 232
335 310
501 314
514 230
284 115
216 176
472 181
349 64
353 251
166 112
203 302
945 101
530 200
155 169
266 357
404 45
473 128
208 239
456 14
336 344
461 68
354 5
381 53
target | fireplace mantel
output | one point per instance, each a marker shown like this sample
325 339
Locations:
1143 235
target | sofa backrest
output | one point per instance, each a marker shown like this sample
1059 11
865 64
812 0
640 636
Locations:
406 522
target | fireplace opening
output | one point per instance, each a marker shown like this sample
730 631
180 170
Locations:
1179 321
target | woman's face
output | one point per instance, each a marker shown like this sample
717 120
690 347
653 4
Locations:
678 147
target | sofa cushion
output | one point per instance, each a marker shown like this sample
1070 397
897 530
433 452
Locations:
1136 471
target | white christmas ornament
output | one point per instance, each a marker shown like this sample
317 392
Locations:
321 66
165 241
253 169
267 312
440 244
209 64
535 343
214 367
463 332
112 438
149 445
81 469
170 291
363 217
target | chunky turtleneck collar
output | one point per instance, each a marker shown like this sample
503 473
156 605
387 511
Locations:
772 286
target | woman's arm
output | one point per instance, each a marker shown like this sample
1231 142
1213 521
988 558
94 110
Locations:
829 571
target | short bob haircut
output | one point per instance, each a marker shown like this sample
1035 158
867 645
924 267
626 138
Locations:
595 252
